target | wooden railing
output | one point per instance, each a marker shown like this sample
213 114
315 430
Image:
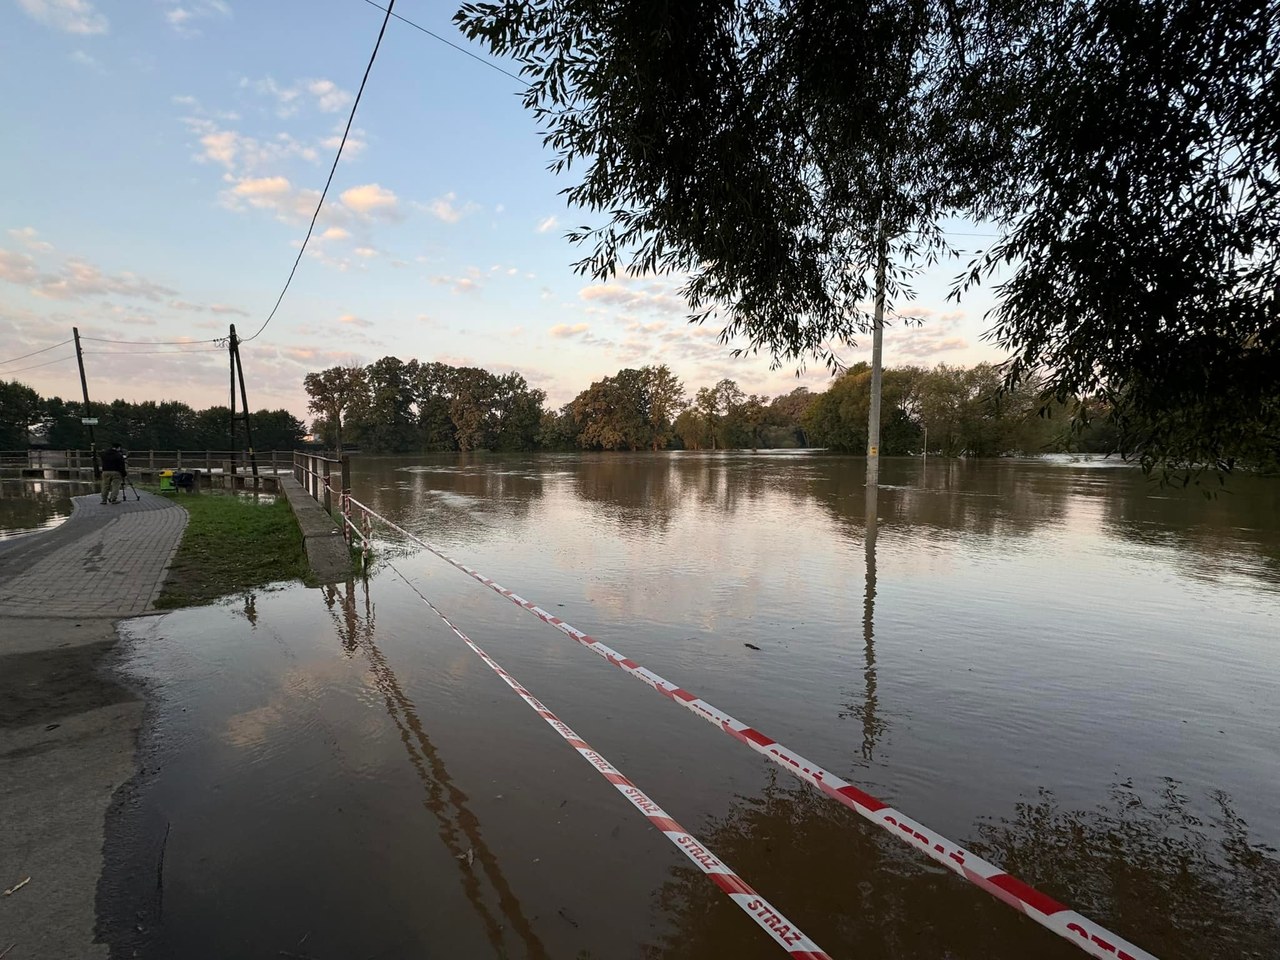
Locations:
317 472
14 462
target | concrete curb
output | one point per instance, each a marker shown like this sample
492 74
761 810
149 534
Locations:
327 551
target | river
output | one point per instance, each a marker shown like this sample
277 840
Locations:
1058 663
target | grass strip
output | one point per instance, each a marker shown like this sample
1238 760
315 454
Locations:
232 544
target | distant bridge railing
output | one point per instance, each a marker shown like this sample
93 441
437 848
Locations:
75 464
316 472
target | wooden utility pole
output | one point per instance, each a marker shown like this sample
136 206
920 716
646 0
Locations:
237 374
88 410
877 372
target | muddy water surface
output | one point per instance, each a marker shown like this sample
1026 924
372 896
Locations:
1055 663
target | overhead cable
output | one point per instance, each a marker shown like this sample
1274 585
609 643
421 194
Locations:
47 363
152 343
34 352
417 26
332 170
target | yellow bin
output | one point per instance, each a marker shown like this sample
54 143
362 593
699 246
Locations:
166 482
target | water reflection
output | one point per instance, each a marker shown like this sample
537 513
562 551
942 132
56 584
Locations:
27 505
458 827
1143 864
873 725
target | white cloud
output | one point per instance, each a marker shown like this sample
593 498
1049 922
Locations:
546 224
82 58
372 200
181 17
324 94
224 309
446 208
334 233
30 239
18 268
72 16
459 284
562 330
354 321
76 278
365 252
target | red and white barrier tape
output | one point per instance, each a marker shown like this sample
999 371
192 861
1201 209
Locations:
1093 938
783 932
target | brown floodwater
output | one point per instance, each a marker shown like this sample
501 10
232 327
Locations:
1059 664
30 505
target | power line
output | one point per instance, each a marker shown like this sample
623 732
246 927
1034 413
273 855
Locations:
488 63
47 363
151 343
332 170
34 352
150 353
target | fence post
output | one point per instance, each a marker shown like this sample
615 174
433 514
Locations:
346 474
151 460
179 459
328 505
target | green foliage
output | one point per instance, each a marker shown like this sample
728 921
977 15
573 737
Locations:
1125 150
335 393
632 410
149 425
19 411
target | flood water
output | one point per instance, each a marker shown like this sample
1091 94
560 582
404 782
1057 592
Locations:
1064 667
30 505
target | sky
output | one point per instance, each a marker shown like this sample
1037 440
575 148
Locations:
163 159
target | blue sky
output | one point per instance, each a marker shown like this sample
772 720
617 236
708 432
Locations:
161 161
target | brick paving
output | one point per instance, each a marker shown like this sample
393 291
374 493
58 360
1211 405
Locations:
104 561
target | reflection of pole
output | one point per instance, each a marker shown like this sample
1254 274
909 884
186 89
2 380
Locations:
877 349
88 412
444 799
870 728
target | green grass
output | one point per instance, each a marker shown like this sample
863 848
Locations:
231 545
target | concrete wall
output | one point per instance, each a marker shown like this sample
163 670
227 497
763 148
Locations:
327 551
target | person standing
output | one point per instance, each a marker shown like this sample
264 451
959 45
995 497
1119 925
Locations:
113 472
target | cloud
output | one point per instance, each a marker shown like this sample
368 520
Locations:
71 16
459 284
29 237
563 330
224 309
446 208
276 194
365 252
181 17
546 225
85 60
372 200
652 295
354 321
238 152
335 233
18 268
923 345
324 95
76 278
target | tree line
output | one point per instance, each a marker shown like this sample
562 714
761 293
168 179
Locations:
395 406
27 417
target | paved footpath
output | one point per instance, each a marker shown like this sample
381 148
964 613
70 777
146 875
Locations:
68 730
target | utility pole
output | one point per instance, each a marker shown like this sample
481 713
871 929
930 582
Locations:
237 373
231 360
88 410
877 349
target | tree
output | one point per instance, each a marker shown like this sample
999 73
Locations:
277 430
837 419
19 411
334 393
664 399
1125 149
517 413
386 423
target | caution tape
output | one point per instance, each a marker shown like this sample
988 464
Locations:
1089 936
783 932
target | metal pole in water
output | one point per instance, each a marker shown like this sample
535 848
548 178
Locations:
877 373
